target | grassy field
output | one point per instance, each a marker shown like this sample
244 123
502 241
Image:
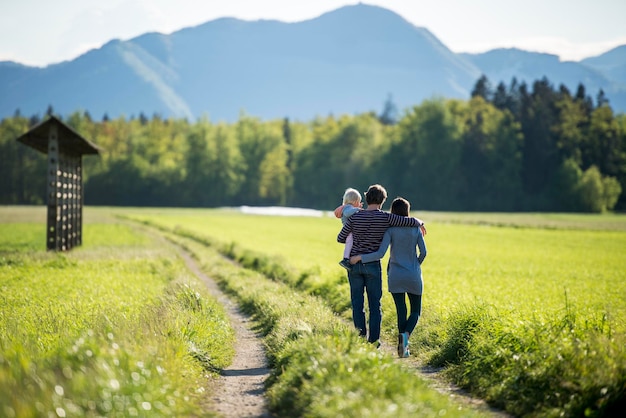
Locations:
532 271
116 327
524 310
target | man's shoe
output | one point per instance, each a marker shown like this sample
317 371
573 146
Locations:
345 263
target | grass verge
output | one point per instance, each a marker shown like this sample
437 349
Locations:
115 328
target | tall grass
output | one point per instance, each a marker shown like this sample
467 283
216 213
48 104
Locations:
116 327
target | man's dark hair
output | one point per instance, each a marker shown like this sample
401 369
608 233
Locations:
400 206
376 195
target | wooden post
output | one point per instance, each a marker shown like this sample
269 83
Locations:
79 201
54 171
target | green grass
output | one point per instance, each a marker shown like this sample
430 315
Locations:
466 263
604 222
116 327
526 314
524 310
531 271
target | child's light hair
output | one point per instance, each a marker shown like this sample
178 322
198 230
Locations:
351 196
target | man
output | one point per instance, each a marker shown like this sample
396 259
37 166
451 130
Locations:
368 227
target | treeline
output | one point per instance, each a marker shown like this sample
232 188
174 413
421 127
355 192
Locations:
512 148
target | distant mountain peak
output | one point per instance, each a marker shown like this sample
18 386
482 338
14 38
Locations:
344 61
365 14
517 53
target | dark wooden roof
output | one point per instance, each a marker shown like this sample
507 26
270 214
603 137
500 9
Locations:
70 142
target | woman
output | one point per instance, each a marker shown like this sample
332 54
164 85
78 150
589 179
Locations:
404 273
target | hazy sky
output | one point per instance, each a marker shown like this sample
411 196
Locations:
41 32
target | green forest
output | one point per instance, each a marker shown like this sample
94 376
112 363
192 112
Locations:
512 148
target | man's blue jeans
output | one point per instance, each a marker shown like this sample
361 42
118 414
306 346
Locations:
366 279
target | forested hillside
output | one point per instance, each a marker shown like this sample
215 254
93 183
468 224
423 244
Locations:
507 148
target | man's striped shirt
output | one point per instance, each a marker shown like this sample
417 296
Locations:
369 226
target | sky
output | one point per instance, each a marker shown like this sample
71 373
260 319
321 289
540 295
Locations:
43 32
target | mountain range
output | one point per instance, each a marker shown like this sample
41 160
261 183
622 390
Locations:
349 60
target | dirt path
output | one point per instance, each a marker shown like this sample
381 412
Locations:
240 389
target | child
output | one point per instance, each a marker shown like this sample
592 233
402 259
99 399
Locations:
351 204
